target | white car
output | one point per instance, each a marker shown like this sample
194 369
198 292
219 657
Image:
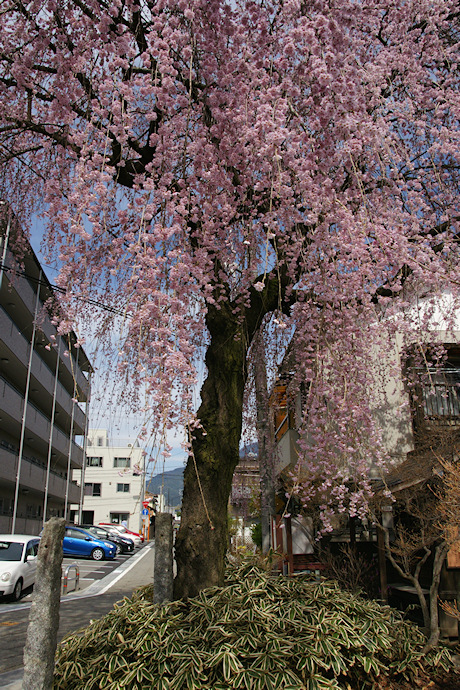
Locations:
18 563
123 531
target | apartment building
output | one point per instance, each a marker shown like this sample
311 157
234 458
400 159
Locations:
44 387
113 482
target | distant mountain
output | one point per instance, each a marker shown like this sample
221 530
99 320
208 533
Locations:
249 449
172 482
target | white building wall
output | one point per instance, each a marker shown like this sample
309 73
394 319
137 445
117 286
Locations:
114 472
389 398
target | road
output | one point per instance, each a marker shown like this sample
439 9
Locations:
89 572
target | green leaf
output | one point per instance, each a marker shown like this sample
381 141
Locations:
230 665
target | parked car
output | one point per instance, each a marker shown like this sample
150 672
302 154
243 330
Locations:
123 544
124 531
18 563
80 542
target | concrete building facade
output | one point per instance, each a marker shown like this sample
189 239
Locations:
403 412
44 388
113 482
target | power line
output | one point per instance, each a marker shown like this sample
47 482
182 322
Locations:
57 288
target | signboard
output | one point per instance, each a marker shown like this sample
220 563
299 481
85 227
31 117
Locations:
145 511
453 556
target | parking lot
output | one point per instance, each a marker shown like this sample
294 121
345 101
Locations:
89 572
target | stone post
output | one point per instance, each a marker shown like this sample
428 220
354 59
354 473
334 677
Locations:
43 626
163 568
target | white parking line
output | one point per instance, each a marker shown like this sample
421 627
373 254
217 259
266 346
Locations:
85 566
104 565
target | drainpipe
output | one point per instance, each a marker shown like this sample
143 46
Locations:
69 456
85 445
24 412
50 443
141 517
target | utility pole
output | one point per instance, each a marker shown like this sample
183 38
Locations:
265 446
85 444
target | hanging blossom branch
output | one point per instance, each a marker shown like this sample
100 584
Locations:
200 155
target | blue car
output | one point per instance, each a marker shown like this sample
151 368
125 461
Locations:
79 542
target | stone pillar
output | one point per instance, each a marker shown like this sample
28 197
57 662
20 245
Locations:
163 568
43 626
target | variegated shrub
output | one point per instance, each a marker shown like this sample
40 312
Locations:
257 633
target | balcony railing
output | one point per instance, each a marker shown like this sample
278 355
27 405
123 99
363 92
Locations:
441 399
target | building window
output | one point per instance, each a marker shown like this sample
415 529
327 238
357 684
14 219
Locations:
92 489
94 462
436 393
100 441
441 393
122 462
31 511
118 518
123 488
6 506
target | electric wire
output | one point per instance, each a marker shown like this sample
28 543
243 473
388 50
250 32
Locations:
58 289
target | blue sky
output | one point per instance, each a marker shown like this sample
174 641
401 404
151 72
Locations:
104 412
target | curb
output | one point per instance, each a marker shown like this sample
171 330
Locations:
12 679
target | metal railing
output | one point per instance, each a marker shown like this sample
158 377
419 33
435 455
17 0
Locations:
441 401
65 578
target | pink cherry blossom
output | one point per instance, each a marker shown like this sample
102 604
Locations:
206 167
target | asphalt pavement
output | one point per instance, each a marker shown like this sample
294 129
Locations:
76 611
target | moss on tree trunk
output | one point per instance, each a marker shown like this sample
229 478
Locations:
202 539
201 543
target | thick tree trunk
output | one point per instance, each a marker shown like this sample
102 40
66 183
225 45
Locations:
201 543
382 565
423 603
202 539
429 609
